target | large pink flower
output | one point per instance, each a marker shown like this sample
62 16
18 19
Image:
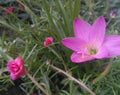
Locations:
16 68
90 41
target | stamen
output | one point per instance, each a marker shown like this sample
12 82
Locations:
93 51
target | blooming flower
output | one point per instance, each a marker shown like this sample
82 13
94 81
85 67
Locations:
16 68
90 41
9 9
48 40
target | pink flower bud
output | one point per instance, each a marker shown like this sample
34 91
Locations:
112 14
48 40
9 9
16 68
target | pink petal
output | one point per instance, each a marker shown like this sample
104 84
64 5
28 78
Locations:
112 43
18 74
22 71
45 43
11 61
78 57
19 61
13 76
81 28
102 53
76 44
49 39
97 32
10 9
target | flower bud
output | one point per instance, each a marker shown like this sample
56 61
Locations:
16 68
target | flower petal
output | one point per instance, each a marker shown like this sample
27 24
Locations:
79 57
97 32
11 61
76 44
13 76
112 43
102 53
81 28
19 61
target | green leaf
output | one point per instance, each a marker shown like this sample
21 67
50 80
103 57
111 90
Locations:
65 17
77 4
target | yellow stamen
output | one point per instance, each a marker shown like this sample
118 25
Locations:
92 51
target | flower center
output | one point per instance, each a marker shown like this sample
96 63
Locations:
92 51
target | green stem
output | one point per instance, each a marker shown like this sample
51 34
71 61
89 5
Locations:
71 77
37 84
104 73
31 52
54 52
109 21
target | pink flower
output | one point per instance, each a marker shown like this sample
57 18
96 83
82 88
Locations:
90 41
9 10
16 68
112 14
48 40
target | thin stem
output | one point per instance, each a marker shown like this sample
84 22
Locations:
37 84
71 77
58 57
31 52
105 72
109 21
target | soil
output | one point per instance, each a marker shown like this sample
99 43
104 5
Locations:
13 91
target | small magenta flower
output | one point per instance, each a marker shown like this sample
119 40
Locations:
9 10
48 40
112 14
16 68
90 41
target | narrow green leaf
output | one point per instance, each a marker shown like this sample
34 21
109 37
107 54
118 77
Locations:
71 9
77 7
65 17
46 7
7 25
3 39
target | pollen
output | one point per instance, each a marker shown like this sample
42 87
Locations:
92 51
